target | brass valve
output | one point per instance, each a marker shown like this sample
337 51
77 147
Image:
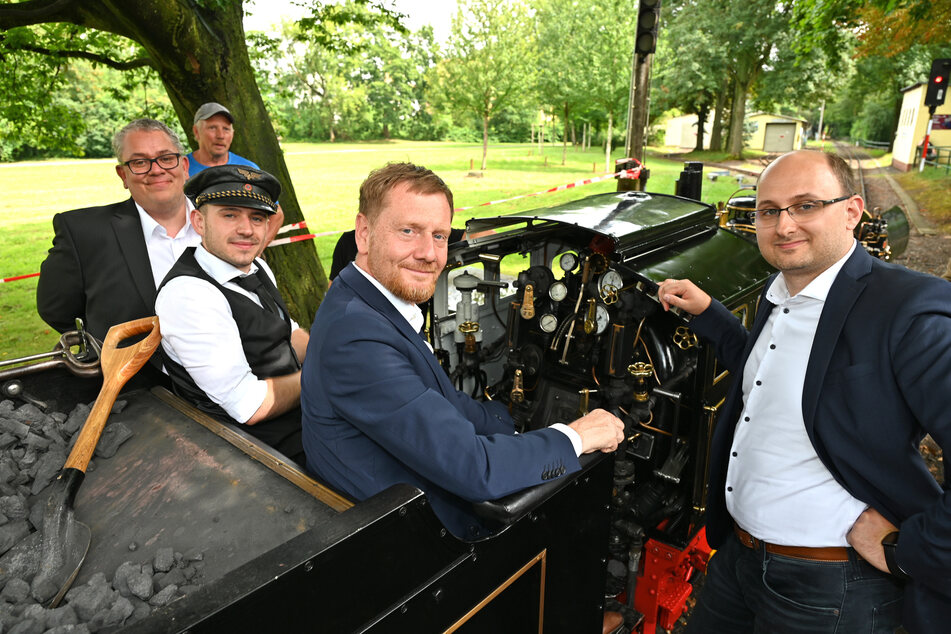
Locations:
518 393
640 371
684 339
469 329
583 403
528 302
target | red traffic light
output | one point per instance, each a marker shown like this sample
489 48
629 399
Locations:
938 79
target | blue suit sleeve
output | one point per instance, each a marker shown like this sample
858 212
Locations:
381 384
727 333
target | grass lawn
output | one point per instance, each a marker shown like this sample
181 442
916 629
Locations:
930 190
326 177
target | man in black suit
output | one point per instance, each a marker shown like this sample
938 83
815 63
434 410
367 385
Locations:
824 515
106 262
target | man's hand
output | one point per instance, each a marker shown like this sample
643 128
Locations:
683 294
599 431
866 536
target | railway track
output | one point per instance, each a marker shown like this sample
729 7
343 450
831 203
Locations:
855 156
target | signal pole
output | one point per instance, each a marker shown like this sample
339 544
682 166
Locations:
645 43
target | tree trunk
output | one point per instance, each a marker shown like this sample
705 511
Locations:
701 122
541 138
574 135
737 115
386 131
201 55
607 143
584 136
564 140
716 135
485 140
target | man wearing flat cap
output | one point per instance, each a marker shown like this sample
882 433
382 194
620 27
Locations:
230 345
213 129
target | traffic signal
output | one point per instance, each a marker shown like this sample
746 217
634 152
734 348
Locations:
938 83
648 19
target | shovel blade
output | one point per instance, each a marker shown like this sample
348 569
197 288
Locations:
23 561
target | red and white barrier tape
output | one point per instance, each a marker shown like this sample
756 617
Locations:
291 227
300 238
18 277
631 173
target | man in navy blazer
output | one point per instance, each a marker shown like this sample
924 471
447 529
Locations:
824 512
377 407
106 262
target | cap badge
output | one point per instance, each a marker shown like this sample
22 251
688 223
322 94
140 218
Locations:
247 187
251 176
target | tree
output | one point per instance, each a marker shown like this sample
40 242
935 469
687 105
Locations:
690 66
489 61
604 43
200 54
558 84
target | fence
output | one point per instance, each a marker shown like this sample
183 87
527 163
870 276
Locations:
938 156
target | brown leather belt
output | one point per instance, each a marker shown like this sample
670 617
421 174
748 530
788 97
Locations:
825 553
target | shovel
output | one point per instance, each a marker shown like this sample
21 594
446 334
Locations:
54 553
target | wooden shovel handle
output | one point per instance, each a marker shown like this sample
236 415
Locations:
118 366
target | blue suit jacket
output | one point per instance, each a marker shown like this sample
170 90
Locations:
878 379
379 410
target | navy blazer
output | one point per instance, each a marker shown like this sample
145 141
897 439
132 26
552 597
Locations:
378 409
98 269
878 379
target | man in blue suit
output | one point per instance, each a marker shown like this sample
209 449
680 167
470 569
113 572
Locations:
824 513
377 407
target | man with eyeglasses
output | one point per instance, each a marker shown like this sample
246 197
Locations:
106 262
825 515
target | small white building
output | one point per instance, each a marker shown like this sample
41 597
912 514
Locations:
775 132
913 123
682 131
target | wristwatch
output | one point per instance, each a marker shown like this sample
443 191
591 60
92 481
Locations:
890 545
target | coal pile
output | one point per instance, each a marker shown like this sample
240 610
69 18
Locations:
34 446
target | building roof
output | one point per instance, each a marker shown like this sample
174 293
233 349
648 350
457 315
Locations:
778 116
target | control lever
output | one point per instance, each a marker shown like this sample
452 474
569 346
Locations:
517 395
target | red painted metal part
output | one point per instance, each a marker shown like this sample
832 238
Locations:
663 585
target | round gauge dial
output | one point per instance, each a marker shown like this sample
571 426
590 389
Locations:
568 262
558 291
610 282
601 319
548 322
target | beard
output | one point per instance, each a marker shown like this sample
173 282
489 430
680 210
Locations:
388 274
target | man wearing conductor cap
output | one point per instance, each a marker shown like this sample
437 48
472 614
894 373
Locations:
230 345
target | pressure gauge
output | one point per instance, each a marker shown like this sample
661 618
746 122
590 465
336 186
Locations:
610 283
558 291
568 261
548 322
601 319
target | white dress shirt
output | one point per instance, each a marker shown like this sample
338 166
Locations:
416 320
164 249
200 334
776 486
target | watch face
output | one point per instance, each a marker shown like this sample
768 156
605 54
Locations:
568 262
558 291
601 319
548 322
610 282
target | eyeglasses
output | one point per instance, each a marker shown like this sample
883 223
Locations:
144 165
800 212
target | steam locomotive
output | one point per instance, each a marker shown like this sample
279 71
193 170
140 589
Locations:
552 312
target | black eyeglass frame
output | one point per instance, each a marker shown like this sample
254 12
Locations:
157 160
774 217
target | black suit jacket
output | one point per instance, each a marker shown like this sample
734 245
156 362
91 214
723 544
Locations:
878 379
98 269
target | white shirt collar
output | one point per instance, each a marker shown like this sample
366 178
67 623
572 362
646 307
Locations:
408 310
218 269
150 226
816 289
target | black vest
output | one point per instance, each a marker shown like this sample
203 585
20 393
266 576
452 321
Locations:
265 337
